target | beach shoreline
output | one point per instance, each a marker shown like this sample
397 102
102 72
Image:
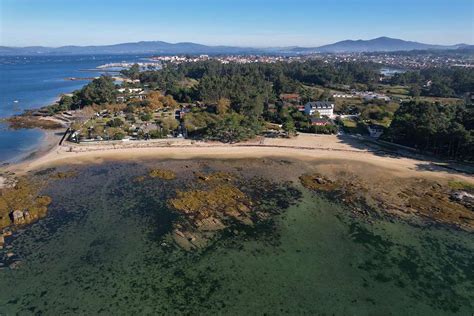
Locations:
304 147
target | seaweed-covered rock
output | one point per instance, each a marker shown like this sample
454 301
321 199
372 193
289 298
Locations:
64 175
317 182
402 197
22 203
162 174
216 202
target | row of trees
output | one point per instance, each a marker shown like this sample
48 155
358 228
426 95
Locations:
441 129
445 82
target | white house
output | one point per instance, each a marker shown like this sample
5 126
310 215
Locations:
368 96
375 131
324 108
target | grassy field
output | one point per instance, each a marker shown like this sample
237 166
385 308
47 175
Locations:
354 127
340 102
385 122
394 90
449 101
349 123
459 185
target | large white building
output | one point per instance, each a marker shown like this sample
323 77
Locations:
324 108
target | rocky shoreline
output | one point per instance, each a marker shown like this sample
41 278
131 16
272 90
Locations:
22 204
410 199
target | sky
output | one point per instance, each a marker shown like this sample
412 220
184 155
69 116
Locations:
256 23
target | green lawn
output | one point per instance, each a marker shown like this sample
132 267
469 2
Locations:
441 100
348 123
459 185
394 90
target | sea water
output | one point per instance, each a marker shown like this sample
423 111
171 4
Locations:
28 82
102 249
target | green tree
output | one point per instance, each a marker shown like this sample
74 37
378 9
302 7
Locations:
132 73
169 124
116 122
146 116
223 106
100 91
415 91
289 127
234 127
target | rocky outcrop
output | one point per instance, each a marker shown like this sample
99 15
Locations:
401 197
21 204
464 198
18 217
162 174
219 201
207 212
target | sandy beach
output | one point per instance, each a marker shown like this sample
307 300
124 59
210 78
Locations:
303 147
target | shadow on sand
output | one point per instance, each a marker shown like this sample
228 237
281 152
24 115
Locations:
426 162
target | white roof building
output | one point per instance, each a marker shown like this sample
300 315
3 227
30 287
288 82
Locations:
324 108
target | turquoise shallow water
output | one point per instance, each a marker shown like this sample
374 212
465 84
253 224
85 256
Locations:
103 250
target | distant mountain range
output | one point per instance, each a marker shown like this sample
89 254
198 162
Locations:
381 44
151 47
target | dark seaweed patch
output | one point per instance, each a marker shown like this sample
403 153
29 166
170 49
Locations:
402 264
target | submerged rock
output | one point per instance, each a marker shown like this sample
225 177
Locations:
64 175
15 265
162 174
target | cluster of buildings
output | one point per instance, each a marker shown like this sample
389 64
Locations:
254 59
126 94
402 61
178 59
125 65
239 59
366 95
